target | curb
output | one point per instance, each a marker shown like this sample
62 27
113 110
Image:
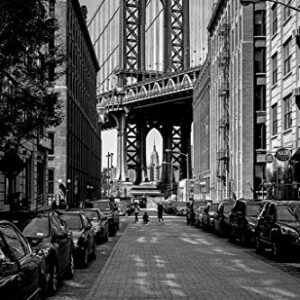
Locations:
93 289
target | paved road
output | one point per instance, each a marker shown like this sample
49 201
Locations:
176 261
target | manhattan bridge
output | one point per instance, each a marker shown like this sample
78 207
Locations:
146 77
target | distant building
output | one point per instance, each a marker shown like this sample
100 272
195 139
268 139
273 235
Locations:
75 159
154 166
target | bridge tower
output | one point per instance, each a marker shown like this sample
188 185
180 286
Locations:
132 131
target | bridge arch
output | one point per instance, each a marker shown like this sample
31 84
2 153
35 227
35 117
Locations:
186 80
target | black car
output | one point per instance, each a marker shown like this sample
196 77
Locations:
99 223
110 210
84 239
207 220
48 232
242 220
221 217
22 270
278 227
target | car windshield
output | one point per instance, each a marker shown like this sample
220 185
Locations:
284 213
253 209
295 207
38 227
228 207
104 206
213 207
198 204
73 221
92 215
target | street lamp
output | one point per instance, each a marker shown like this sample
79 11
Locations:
187 169
247 2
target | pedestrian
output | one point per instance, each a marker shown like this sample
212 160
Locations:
160 209
145 218
136 212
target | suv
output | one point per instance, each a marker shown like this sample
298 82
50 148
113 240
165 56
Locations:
221 217
110 210
278 227
242 220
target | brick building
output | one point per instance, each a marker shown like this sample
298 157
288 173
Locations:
283 98
237 123
201 112
74 162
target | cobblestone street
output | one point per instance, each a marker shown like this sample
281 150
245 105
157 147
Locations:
176 261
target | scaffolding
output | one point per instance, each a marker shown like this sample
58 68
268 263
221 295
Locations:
223 104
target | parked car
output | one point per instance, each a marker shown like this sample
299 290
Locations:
221 217
48 232
22 270
180 210
199 211
99 222
110 210
278 227
83 236
191 208
170 207
207 220
242 220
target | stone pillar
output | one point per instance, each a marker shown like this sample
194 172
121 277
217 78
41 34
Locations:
166 157
121 149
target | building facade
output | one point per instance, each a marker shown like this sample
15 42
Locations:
201 130
282 105
237 50
74 162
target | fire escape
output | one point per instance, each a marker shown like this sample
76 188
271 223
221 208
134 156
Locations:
223 104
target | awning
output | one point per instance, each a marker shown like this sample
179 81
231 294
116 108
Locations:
295 158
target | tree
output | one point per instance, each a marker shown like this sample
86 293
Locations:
29 66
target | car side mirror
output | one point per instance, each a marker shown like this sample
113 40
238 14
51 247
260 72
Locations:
9 268
88 227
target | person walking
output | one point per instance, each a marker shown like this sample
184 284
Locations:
160 209
136 212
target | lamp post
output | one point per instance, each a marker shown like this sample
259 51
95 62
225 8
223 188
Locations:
247 2
187 169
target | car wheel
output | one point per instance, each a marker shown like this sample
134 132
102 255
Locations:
94 252
85 257
258 245
70 270
105 238
231 237
244 239
276 249
53 280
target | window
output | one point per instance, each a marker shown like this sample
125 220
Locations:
260 136
274 69
287 112
260 98
274 119
286 10
274 24
287 56
259 23
51 181
51 137
260 60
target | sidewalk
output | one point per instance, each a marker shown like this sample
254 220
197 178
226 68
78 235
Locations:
176 261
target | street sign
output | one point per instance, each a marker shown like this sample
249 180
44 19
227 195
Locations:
269 158
283 154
